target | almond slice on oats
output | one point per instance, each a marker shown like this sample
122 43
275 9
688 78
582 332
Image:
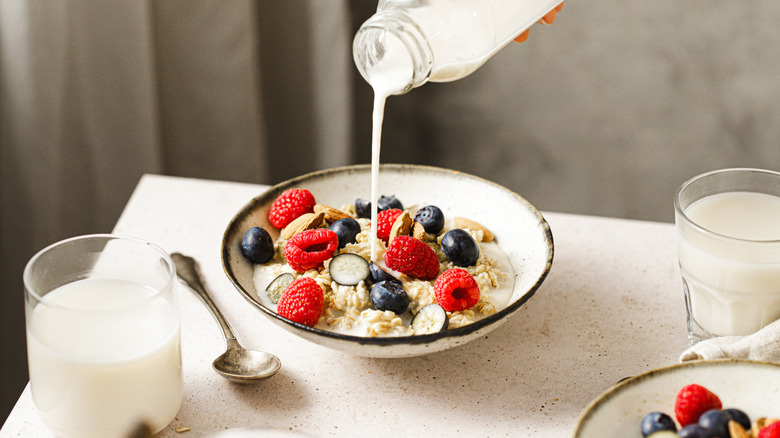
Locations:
737 431
418 232
761 423
331 214
401 227
462 222
307 221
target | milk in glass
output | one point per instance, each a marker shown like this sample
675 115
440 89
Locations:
733 289
104 358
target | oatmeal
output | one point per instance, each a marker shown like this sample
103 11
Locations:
384 296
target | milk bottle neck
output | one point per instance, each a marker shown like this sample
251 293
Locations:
392 52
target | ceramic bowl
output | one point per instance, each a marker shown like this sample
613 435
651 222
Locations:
520 231
749 386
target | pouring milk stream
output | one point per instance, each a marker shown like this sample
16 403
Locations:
409 42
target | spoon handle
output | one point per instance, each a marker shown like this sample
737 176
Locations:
187 270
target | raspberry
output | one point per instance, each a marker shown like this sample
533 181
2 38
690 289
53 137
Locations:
456 289
309 249
302 301
692 401
771 431
384 222
412 257
291 204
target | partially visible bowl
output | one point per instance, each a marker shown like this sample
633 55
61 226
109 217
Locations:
519 228
753 387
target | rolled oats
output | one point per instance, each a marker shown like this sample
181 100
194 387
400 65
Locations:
349 308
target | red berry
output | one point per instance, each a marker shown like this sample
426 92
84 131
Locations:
456 289
309 249
302 301
771 431
291 204
692 401
412 257
384 222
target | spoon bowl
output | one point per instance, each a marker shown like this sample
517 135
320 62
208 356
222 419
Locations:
240 365
236 364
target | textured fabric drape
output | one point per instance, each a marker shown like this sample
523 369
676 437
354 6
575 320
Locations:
93 94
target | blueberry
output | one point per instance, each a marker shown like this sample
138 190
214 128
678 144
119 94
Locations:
431 318
656 421
460 247
377 274
388 202
347 230
431 218
276 288
389 295
348 269
363 208
739 416
695 431
257 245
715 421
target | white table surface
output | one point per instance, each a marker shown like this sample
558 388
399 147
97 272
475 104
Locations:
611 307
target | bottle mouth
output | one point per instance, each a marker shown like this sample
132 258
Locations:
391 53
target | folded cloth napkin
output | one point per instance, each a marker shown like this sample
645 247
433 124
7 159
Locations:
764 345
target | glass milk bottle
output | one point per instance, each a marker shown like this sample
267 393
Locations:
409 42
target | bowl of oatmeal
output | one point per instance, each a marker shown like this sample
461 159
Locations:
514 253
749 386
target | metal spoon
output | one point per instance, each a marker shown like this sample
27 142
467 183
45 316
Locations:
237 364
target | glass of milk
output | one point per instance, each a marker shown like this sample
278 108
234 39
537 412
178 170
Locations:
728 234
103 339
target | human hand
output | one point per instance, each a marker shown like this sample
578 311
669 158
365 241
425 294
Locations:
548 19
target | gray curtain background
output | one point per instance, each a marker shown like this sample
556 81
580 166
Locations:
604 113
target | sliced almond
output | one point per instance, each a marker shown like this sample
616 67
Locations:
462 222
737 431
307 221
401 227
758 424
331 214
418 232
761 423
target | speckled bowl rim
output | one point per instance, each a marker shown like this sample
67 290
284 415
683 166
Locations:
592 408
273 192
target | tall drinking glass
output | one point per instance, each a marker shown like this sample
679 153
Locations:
103 339
728 234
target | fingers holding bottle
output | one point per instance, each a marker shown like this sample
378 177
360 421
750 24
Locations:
548 19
